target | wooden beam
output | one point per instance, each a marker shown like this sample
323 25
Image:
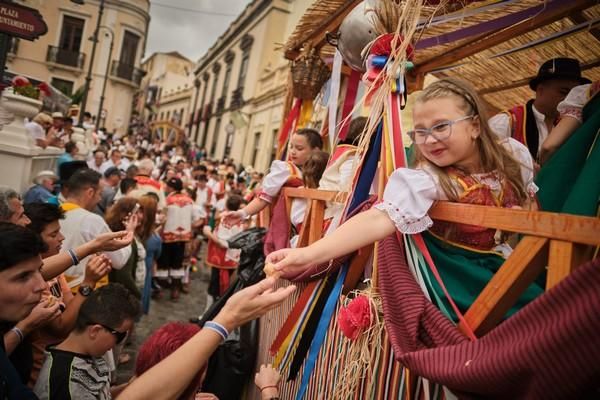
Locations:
357 268
316 38
317 215
563 258
571 228
525 263
579 18
564 9
316 194
523 82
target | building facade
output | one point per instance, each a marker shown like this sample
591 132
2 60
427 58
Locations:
241 84
167 88
62 56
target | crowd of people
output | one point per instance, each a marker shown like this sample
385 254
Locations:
107 234
90 244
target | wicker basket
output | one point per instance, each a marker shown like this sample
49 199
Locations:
309 73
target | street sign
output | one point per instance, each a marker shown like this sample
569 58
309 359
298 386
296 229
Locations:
22 22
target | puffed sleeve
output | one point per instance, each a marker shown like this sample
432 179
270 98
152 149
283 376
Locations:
274 181
501 125
572 105
408 196
521 153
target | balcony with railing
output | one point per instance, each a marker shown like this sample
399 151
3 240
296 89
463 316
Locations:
127 72
69 58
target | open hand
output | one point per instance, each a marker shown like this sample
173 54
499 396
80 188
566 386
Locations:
251 303
112 241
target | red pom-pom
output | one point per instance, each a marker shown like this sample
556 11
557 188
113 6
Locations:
20 81
355 317
383 46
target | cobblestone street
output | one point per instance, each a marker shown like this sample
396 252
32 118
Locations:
163 311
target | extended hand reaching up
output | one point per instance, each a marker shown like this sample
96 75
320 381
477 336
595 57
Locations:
251 303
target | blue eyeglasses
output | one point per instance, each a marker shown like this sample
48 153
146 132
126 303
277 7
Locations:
440 132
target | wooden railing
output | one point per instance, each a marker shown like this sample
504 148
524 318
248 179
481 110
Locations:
559 242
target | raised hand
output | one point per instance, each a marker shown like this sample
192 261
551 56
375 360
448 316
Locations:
112 241
252 302
266 378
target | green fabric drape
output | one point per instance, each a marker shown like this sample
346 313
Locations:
570 181
465 274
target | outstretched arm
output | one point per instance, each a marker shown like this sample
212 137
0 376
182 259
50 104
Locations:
169 378
59 263
359 231
254 207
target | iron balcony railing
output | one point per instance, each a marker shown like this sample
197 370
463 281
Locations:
67 57
127 72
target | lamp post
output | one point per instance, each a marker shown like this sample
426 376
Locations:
88 78
110 49
191 124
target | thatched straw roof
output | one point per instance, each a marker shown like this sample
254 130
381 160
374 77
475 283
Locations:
498 62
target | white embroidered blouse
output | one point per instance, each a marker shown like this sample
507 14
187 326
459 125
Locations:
278 175
410 193
572 105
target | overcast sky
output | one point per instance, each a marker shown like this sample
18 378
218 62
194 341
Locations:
189 26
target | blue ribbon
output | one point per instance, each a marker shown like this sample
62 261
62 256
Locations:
361 193
367 173
321 331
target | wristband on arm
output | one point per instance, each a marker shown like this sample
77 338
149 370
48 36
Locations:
217 327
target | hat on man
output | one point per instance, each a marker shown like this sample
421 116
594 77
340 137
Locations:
112 171
45 174
57 114
130 153
176 184
559 68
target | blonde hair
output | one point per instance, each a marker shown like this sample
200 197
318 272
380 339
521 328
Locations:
493 156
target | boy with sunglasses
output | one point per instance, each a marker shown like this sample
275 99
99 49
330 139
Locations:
75 369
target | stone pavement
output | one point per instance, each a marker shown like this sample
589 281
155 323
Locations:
163 311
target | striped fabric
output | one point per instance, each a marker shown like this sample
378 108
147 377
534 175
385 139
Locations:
384 379
548 350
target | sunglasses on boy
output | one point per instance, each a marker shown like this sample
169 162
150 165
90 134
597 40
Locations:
440 132
120 336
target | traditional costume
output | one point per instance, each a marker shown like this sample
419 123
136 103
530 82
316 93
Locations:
524 122
466 256
222 259
282 174
338 178
177 231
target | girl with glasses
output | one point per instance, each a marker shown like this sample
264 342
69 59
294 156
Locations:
456 158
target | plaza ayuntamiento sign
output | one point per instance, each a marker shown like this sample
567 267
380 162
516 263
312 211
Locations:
22 22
